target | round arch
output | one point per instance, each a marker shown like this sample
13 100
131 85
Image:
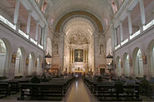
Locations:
19 63
151 57
91 17
138 62
126 64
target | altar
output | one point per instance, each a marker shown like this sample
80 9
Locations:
78 67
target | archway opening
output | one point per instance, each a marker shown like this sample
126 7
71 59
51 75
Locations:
38 70
3 55
78 45
19 63
138 63
118 70
31 65
126 65
151 56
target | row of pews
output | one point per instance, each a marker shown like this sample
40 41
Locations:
53 89
11 86
114 90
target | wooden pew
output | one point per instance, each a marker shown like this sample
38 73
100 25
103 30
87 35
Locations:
41 90
4 89
108 91
14 84
90 84
52 90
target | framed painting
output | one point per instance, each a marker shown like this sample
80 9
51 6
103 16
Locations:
78 54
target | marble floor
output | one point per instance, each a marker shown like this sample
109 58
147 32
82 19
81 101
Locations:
78 92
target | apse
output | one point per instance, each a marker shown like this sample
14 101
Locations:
78 45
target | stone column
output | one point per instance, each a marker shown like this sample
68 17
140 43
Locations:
142 13
61 50
111 30
115 37
16 12
121 32
45 36
24 65
28 24
12 67
37 31
96 51
8 64
42 36
130 23
72 55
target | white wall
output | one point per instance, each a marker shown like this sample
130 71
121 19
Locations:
15 41
142 42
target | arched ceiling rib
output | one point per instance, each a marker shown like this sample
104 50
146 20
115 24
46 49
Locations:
102 9
93 18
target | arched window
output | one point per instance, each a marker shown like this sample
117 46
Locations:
138 61
126 65
19 63
3 52
38 70
118 67
31 64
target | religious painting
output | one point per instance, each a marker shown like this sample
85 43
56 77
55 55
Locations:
78 54
144 57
